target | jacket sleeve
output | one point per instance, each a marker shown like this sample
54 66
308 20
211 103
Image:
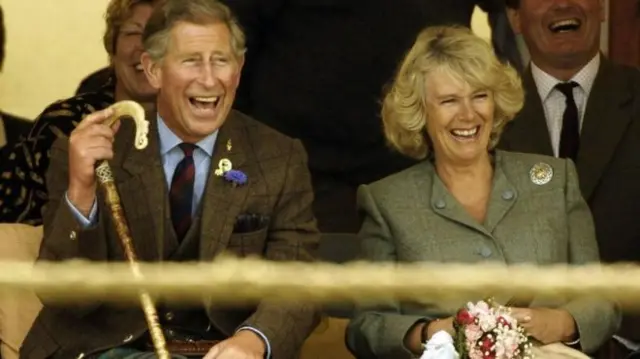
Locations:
378 331
597 318
64 236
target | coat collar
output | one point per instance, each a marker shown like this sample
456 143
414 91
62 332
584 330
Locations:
502 197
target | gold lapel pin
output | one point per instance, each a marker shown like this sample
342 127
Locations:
229 145
541 173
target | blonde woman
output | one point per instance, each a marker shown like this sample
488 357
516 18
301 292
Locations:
466 202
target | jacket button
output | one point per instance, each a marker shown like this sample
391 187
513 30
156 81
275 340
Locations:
485 252
507 195
80 356
128 338
73 235
440 204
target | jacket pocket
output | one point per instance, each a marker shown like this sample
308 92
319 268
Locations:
250 243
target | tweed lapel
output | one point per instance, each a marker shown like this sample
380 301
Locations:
143 192
606 118
222 201
502 198
529 132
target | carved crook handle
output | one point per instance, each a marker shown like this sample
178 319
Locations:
134 111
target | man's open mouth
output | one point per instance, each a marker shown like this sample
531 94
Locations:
565 25
204 103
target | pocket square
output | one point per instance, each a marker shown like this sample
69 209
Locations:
250 222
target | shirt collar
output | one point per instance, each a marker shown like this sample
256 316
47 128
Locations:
169 140
584 78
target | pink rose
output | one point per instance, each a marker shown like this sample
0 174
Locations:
478 308
473 332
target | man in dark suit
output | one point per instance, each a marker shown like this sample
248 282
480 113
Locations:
179 206
581 106
11 127
316 70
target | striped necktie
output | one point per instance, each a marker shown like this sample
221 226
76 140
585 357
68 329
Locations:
181 193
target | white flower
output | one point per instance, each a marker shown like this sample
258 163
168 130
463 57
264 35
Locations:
440 346
479 308
507 345
487 322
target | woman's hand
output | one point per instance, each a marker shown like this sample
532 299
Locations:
435 326
547 325
413 339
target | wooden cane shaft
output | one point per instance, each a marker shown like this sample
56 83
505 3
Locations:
112 198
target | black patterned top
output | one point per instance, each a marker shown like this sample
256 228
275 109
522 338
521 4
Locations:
23 190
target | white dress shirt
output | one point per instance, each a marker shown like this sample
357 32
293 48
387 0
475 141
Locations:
554 102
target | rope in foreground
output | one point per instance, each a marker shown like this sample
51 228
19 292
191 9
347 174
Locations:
232 280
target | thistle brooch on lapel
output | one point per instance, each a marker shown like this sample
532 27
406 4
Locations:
226 171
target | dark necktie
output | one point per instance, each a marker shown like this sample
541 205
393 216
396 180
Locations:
570 135
181 193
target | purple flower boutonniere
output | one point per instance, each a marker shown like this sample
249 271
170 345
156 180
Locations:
238 178
226 171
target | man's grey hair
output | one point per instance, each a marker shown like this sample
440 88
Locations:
157 32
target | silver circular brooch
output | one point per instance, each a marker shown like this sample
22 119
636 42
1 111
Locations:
541 173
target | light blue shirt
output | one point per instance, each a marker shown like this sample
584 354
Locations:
171 155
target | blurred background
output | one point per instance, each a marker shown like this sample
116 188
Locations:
45 62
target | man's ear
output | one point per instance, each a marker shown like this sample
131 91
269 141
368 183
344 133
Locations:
514 20
152 70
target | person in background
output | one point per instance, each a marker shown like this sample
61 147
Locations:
95 81
22 174
583 107
12 128
465 202
315 71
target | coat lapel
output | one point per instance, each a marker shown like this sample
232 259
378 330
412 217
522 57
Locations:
444 204
222 201
143 192
606 119
502 198
529 132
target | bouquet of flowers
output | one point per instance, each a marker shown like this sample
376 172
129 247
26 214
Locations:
483 331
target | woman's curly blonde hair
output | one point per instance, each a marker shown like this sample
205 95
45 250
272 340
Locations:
466 57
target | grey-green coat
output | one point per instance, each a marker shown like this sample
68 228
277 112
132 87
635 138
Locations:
411 216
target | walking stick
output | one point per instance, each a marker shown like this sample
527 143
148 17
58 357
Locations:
105 178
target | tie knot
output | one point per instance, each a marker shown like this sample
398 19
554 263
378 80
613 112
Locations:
187 148
567 88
